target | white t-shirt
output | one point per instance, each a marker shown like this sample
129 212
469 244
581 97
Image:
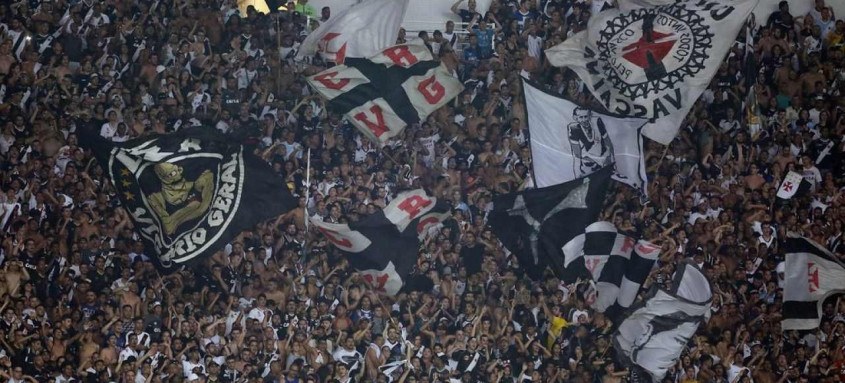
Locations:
126 353
245 77
535 46
813 176
188 367
107 131
258 314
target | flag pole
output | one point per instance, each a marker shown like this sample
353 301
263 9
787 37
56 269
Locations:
279 55
305 208
389 156
307 186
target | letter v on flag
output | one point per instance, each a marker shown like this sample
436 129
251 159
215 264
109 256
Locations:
381 95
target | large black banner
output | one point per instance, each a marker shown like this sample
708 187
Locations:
190 192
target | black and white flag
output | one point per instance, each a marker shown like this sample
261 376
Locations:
653 59
618 263
191 192
383 94
535 224
361 30
395 369
793 184
384 246
812 273
651 339
568 141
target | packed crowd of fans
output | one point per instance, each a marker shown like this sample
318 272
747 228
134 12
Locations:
81 301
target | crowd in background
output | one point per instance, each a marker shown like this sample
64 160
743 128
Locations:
81 301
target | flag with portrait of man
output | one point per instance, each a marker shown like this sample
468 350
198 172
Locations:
569 141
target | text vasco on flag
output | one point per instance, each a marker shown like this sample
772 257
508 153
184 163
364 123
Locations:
383 94
383 246
653 62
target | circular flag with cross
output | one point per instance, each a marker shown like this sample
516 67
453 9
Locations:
650 50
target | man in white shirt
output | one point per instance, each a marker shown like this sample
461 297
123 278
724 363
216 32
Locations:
109 129
246 74
347 354
191 362
291 146
811 172
132 349
701 213
534 42
260 312
141 336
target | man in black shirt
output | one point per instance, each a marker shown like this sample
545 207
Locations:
231 96
781 18
466 15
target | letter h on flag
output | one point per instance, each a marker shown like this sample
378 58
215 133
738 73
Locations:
381 95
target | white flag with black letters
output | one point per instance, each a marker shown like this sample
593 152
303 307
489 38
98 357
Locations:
568 141
653 61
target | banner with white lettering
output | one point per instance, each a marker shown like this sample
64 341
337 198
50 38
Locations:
384 246
653 61
381 95
191 192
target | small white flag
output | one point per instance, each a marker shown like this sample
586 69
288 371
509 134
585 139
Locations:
790 185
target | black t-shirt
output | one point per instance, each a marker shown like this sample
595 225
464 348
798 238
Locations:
472 256
231 100
467 15
782 21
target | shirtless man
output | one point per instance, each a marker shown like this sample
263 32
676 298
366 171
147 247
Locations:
15 275
90 347
6 58
110 352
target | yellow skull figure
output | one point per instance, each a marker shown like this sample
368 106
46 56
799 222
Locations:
180 200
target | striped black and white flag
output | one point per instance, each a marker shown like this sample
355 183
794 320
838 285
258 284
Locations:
618 263
812 274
